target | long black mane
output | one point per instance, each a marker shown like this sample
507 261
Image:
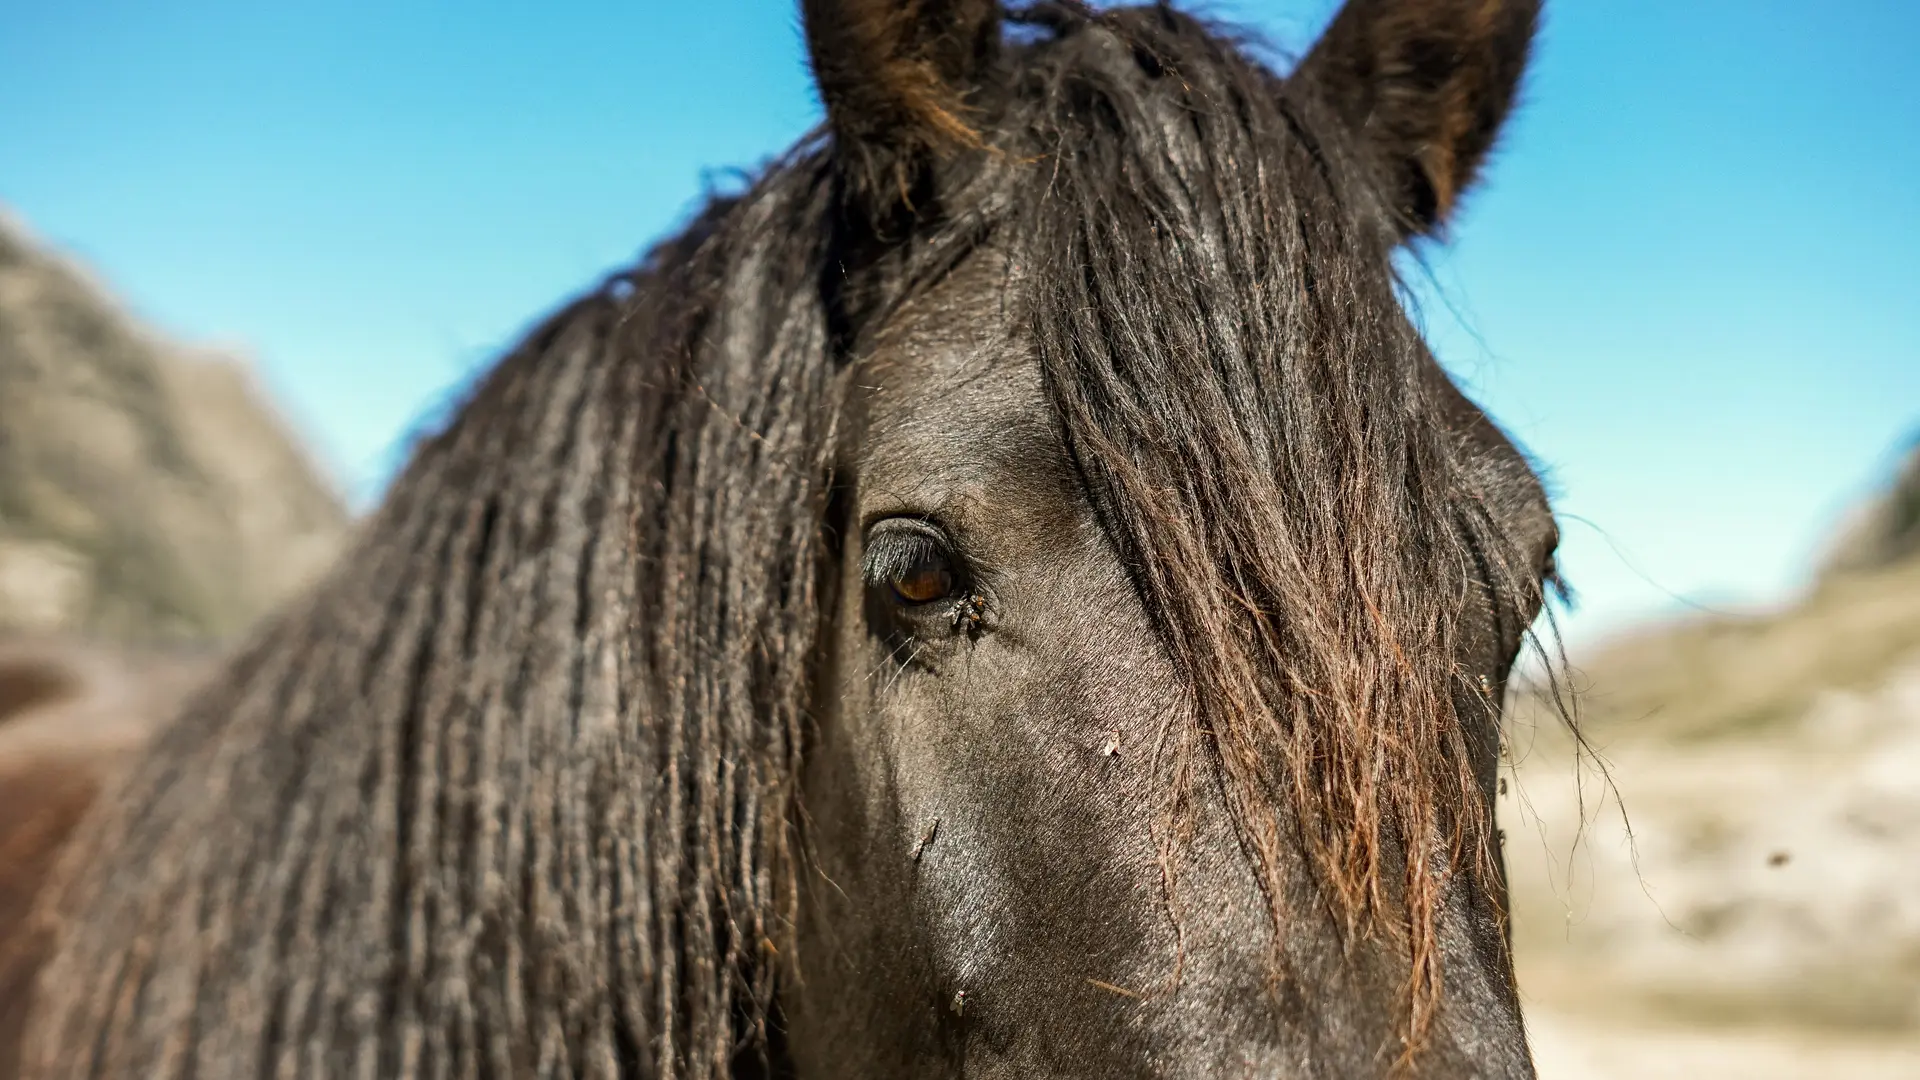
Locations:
515 790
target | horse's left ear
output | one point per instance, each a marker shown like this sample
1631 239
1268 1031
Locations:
1424 86
899 79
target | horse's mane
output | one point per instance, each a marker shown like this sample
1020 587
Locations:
508 793
513 790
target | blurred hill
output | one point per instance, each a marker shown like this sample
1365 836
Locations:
148 491
1887 530
1760 915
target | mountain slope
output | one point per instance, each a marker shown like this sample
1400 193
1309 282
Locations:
147 491
1887 531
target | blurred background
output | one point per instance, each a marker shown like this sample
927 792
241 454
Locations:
248 252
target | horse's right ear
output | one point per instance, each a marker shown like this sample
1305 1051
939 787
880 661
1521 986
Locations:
899 79
1424 86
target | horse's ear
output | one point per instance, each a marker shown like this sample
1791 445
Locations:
899 79
1424 86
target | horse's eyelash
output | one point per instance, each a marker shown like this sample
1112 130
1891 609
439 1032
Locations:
892 553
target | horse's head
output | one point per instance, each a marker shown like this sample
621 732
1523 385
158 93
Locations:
1009 594
1177 584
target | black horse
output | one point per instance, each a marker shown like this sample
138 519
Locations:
1010 595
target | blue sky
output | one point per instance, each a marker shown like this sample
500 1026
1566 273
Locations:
1688 285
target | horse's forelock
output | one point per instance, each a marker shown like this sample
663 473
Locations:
1217 323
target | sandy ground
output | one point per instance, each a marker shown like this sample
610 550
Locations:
1566 1047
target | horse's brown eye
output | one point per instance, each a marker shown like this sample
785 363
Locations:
923 584
911 562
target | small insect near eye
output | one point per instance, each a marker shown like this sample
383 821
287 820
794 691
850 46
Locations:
922 583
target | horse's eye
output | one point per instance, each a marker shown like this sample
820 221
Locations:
923 584
911 560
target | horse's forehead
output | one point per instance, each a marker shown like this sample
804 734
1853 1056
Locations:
952 391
